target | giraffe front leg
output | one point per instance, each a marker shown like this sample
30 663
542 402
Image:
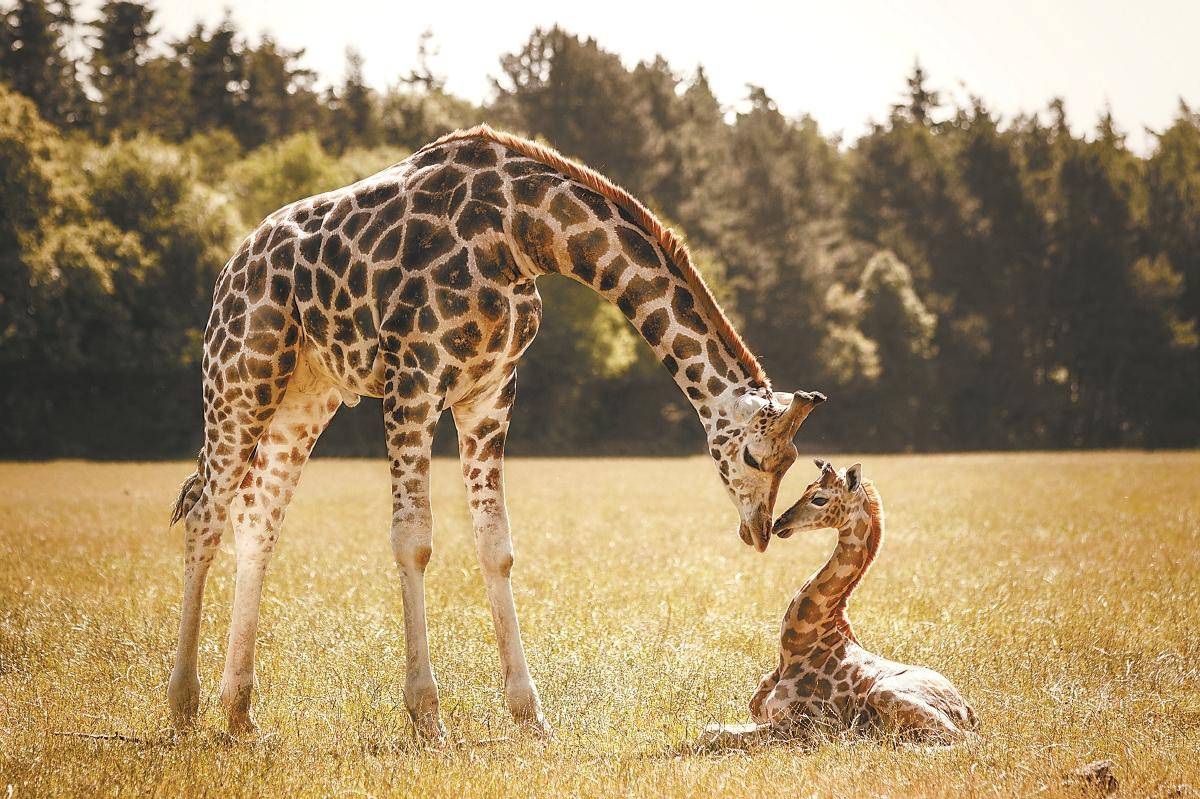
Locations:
257 513
254 545
765 686
409 426
482 428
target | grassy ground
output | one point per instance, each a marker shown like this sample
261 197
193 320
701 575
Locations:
1059 592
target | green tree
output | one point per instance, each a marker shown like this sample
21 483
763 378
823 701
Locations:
1173 226
998 295
35 62
279 173
353 109
922 102
123 34
567 90
1096 242
702 145
150 190
420 109
82 276
1173 197
213 64
771 211
880 352
28 147
279 97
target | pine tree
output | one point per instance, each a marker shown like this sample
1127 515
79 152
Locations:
214 66
34 60
279 97
118 66
354 120
568 89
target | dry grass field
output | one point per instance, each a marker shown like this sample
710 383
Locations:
1060 592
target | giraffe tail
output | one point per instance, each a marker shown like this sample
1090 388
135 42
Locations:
189 492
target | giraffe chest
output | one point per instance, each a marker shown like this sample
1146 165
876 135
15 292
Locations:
827 684
478 351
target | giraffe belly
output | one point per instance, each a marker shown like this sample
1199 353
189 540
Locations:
352 383
457 362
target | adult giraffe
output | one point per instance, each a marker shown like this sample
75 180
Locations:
417 285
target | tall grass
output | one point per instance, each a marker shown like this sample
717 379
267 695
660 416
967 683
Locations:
1059 592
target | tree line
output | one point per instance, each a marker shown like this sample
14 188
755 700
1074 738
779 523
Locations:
954 280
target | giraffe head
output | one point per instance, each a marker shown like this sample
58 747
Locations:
755 450
829 501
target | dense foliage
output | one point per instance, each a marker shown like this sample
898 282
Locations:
953 280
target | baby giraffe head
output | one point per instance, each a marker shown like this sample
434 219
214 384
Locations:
829 501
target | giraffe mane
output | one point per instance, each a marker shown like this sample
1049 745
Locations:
874 506
671 244
875 512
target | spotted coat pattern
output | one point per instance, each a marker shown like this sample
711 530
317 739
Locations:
417 285
824 674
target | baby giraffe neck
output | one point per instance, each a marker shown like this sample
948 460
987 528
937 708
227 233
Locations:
824 598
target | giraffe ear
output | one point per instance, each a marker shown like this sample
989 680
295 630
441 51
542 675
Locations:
854 477
746 406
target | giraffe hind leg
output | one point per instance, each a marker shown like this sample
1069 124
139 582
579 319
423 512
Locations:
249 359
257 512
409 423
910 718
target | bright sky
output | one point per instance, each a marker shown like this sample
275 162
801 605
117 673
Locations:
842 62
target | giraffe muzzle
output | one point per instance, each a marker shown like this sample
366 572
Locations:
756 534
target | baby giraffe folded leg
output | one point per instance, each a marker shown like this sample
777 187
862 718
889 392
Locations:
909 714
824 675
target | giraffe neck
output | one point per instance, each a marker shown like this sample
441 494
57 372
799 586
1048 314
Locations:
662 309
821 604
562 217
584 236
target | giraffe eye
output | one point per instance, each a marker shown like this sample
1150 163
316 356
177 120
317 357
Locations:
819 501
750 460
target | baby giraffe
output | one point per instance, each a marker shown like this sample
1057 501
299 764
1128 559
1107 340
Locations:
824 676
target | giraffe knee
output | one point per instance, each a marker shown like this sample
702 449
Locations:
498 563
412 541
493 545
412 554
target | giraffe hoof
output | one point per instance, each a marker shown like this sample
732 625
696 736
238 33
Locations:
530 719
538 727
183 698
431 733
243 727
526 708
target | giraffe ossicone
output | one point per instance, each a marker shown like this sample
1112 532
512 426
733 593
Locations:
417 285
